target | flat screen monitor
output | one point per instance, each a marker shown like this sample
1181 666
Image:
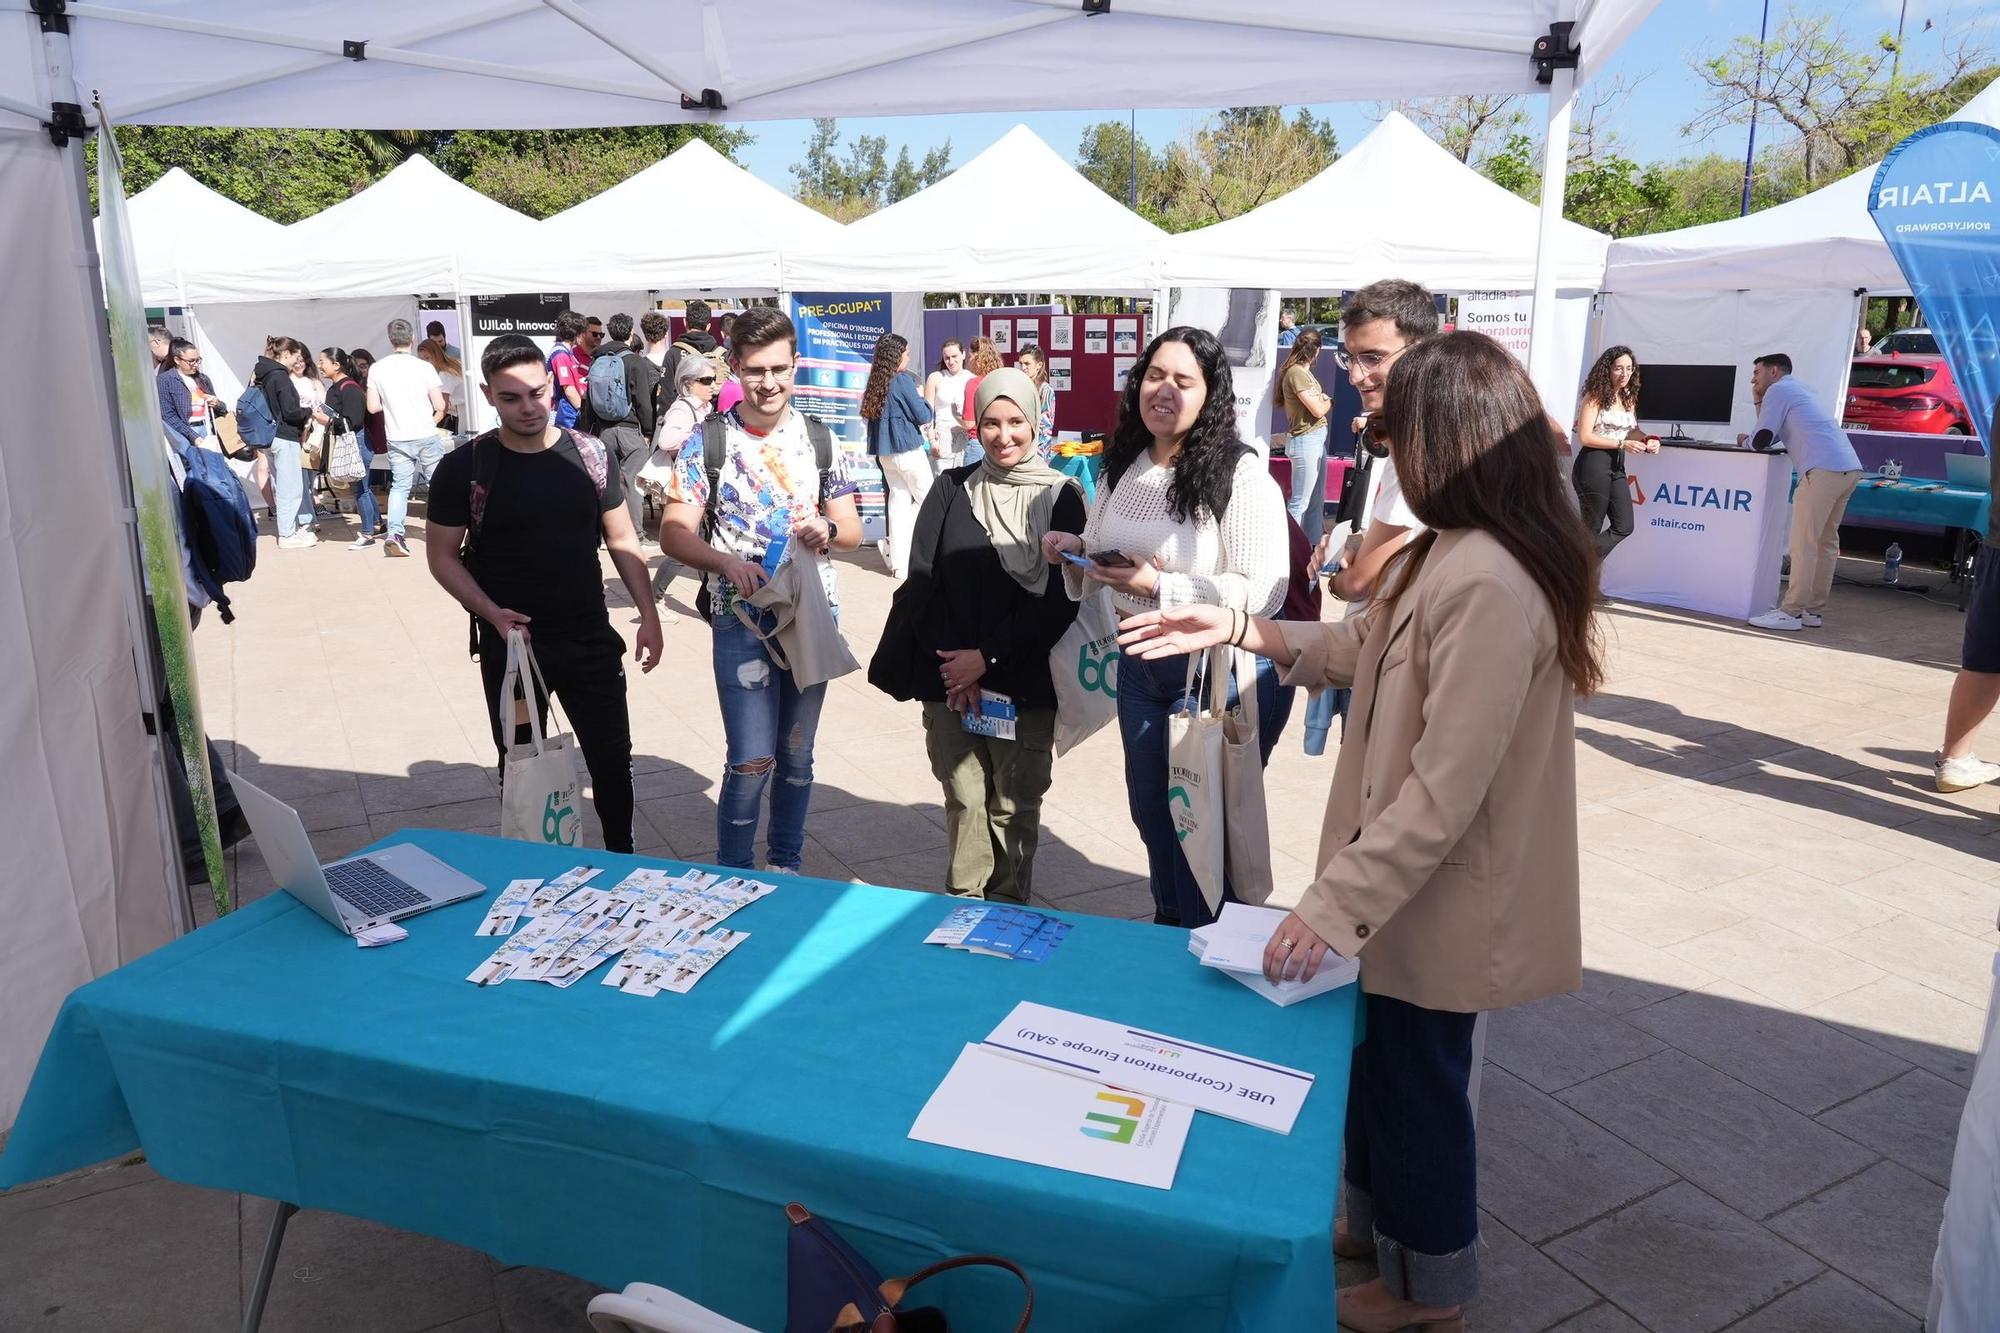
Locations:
1686 395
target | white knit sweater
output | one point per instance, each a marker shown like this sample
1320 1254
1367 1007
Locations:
1243 562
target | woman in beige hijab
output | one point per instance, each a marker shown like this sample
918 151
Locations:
969 635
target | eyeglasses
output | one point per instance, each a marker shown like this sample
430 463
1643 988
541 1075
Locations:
775 374
1370 362
189 360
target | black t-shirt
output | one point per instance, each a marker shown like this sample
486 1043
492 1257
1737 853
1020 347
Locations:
539 533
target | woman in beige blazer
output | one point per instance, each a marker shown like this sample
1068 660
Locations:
1448 860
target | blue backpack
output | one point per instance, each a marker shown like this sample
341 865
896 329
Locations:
216 520
254 422
609 395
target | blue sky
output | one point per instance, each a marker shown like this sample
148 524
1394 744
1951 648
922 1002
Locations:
1653 62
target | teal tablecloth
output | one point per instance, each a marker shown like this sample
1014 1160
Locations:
1904 502
1084 467
625 1139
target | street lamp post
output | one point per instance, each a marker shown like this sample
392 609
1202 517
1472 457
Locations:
1757 93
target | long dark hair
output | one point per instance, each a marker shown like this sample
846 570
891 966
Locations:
1597 385
1305 349
889 349
1474 448
1206 472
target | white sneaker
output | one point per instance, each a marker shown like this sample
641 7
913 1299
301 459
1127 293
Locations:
1811 619
300 540
1963 773
361 543
1777 619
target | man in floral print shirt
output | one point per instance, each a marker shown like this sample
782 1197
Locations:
772 502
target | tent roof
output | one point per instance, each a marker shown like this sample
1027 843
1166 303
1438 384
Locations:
179 224
1018 217
1822 239
692 221
1398 205
537 64
406 233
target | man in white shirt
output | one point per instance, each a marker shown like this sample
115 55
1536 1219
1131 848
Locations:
1827 470
1378 324
407 392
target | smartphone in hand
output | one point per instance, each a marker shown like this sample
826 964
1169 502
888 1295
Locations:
1112 559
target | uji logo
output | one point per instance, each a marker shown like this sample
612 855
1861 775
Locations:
1116 1128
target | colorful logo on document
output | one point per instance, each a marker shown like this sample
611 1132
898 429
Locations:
1120 1127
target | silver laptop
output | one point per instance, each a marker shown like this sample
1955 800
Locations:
358 891
1969 472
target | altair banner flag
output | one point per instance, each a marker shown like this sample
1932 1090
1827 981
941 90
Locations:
1933 201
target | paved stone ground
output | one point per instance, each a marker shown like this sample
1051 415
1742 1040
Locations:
1744 1120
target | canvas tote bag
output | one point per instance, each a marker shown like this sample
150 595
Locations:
1084 667
1246 820
806 641
540 798
1195 741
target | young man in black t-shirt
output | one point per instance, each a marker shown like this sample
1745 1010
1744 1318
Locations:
537 498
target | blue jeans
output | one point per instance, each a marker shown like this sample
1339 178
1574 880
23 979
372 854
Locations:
768 725
1307 502
291 495
364 502
406 459
1148 692
1410 1169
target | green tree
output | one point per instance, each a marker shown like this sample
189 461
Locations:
854 183
543 172
1107 158
1844 101
283 174
1239 159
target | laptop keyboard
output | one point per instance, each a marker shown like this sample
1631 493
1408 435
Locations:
370 889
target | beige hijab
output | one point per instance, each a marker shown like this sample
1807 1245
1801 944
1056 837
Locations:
1014 504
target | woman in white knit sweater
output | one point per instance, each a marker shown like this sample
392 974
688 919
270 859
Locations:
1200 520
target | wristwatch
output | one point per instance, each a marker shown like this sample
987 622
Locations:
832 532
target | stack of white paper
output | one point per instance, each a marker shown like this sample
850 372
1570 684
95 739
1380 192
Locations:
1235 945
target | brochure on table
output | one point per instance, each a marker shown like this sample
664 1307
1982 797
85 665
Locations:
1003 1107
1235 945
1219 1082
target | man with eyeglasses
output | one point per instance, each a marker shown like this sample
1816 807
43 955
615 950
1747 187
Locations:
188 405
1377 325
754 488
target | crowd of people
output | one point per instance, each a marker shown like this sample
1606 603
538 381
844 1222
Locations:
1469 591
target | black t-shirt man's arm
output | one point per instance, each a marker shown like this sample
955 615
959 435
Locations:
446 520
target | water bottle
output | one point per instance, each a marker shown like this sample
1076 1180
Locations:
1892 563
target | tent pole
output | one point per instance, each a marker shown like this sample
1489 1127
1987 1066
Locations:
1555 177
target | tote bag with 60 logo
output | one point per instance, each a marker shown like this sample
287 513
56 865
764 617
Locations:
1084 666
540 792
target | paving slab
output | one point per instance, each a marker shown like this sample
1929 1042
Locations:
1798 1060
1782 966
1830 1303
1946 960
1603 1317
1912 1022
1751 1152
1521 1290
338 1273
1912 1120
1544 1169
1801 904
1681 1262
1560 1041
122 1259
541 1300
1878 1227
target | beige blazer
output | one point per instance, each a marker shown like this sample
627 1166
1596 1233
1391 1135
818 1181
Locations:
1448 859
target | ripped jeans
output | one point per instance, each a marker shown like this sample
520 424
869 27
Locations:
768 724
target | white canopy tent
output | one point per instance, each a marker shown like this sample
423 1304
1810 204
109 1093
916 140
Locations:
531 64
1427 217
183 230
693 221
1018 217
1819 241
1790 279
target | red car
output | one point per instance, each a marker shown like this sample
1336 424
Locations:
1904 392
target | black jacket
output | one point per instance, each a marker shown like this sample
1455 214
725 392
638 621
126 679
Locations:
643 378
275 382
347 405
701 340
958 596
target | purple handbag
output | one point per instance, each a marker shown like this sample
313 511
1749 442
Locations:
830 1288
